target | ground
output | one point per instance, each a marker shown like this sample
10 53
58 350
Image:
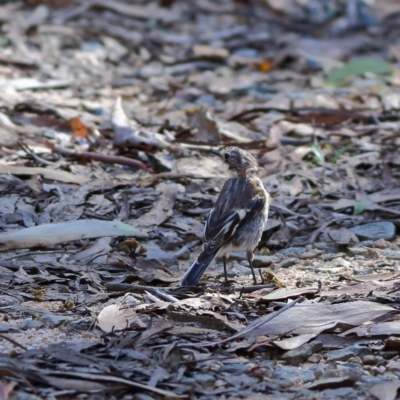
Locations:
109 114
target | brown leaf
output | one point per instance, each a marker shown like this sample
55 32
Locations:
296 187
294 342
78 129
162 208
381 329
201 310
311 318
47 173
6 389
340 236
118 317
154 330
202 125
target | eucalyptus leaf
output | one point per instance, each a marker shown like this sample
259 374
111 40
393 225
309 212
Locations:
359 66
359 207
287 293
49 234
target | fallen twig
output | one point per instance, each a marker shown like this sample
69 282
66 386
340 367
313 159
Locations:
5 337
29 152
105 158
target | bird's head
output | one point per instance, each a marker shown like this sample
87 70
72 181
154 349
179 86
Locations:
238 160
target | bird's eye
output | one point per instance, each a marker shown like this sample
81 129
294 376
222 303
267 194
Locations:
226 156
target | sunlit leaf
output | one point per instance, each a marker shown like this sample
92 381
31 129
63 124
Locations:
319 155
359 207
359 66
63 232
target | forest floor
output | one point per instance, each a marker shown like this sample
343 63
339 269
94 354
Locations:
109 111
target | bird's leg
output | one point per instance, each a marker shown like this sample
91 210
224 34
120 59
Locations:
226 275
250 256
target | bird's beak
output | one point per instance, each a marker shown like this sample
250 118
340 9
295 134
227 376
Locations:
217 153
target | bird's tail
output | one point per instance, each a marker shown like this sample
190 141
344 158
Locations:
195 272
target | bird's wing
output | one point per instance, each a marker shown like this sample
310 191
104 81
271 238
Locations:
222 226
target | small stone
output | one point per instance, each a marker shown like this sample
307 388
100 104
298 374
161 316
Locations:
264 261
7 134
331 256
375 230
292 251
375 371
154 68
202 380
239 269
155 253
220 383
308 255
381 244
369 379
341 262
388 354
210 52
363 271
318 370
234 368
392 254
7 301
315 358
51 320
241 380
299 355
316 82
245 52
287 263
7 328
393 366
290 376
326 247
392 343
341 393
183 255
371 359
355 360
346 353
390 376
391 101
331 270
357 251
362 351
303 129
31 324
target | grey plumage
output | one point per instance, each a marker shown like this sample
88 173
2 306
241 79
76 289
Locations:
237 220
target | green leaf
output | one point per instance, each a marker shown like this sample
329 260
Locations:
339 153
359 207
319 155
359 66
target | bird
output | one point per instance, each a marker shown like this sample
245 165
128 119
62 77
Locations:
236 222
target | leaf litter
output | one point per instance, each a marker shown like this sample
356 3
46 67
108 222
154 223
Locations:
108 116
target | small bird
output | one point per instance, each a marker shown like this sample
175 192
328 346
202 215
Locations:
237 220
